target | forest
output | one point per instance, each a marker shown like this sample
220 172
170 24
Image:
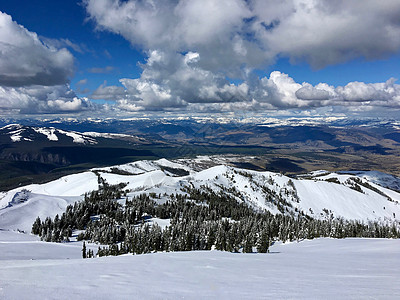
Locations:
200 219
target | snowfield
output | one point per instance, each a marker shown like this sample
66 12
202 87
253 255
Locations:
316 269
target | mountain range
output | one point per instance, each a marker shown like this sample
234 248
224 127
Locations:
40 151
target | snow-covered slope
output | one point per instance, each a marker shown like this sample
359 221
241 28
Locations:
382 179
317 269
19 133
30 268
320 195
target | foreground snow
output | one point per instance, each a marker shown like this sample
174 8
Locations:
317 269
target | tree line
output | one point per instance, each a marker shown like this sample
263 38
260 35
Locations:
200 219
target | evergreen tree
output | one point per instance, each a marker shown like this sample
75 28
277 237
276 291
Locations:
263 242
36 227
84 250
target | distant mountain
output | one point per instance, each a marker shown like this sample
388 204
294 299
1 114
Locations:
36 151
27 153
321 195
20 133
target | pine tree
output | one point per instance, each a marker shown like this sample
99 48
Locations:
263 242
84 250
36 227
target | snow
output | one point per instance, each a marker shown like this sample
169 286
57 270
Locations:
78 137
15 134
23 215
382 179
16 131
18 246
106 135
71 185
142 181
11 126
163 223
48 132
16 137
344 201
166 163
143 166
43 200
316 269
315 196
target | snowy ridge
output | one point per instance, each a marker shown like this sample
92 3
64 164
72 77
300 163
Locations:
326 196
379 178
20 133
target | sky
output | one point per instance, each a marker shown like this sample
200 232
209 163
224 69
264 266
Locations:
110 58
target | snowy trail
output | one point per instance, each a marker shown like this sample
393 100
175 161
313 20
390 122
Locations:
317 269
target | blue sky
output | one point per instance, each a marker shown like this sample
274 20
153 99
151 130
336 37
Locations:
67 20
117 58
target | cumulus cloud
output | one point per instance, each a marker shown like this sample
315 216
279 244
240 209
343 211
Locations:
25 60
34 72
169 82
42 99
231 33
105 92
308 92
211 28
282 91
173 80
361 92
328 32
193 46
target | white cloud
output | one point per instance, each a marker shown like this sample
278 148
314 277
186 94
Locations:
361 92
214 29
308 92
109 92
82 82
25 60
188 87
34 73
327 32
74 104
194 46
42 99
231 33
173 80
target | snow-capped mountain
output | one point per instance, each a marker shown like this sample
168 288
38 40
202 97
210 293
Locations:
319 194
20 133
